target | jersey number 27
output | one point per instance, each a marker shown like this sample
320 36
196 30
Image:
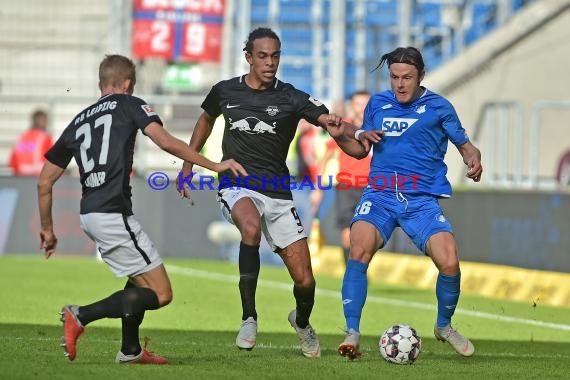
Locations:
85 130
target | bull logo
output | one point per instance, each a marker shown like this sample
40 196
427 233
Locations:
260 127
240 125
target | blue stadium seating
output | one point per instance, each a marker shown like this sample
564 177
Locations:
259 11
381 13
380 22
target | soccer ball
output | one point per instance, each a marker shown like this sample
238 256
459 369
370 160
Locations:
400 344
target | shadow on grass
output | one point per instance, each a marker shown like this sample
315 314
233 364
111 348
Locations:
33 352
183 346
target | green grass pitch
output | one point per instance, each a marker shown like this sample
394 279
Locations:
197 331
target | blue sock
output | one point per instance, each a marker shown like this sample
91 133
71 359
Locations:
354 289
447 292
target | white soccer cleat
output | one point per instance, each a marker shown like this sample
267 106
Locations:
307 337
461 344
350 346
247 334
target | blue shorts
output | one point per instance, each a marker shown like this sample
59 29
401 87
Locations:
419 215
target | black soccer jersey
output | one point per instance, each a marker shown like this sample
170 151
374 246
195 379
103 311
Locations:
260 125
102 139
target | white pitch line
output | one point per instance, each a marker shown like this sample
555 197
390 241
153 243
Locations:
374 299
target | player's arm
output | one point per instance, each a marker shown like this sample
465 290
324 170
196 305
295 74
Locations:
180 149
354 144
472 158
340 131
48 177
202 130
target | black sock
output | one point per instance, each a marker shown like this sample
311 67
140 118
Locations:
124 303
346 253
305 298
130 330
248 274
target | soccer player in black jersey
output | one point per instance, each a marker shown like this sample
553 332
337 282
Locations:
261 115
101 138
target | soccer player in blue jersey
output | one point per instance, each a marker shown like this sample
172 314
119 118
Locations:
408 128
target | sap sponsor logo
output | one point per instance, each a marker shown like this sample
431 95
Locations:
395 126
148 110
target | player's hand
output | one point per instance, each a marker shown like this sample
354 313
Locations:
48 242
184 173
232 165
333 124
367 138
475 169
334 120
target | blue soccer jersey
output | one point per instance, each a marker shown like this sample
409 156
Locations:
409 158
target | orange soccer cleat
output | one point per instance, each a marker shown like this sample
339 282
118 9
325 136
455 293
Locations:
145 357
72 330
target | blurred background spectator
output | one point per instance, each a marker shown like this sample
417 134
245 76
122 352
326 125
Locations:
27 156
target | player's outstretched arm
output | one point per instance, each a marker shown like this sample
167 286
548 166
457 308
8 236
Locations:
472 158
180 149
343 134
49 175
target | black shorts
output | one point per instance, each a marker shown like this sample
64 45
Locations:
346 201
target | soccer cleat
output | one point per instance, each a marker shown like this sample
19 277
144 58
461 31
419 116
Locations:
461 344
144 357
247 334
350 347
307 337
72 330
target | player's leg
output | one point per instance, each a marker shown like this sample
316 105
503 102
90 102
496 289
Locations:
247 219
425 223
130 342
371 227
285 233
239 207
364 242
131 351
298 262
129 252
442 249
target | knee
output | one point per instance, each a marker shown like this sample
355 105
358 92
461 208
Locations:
251 231
358 253
164 297
307 282
448 263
